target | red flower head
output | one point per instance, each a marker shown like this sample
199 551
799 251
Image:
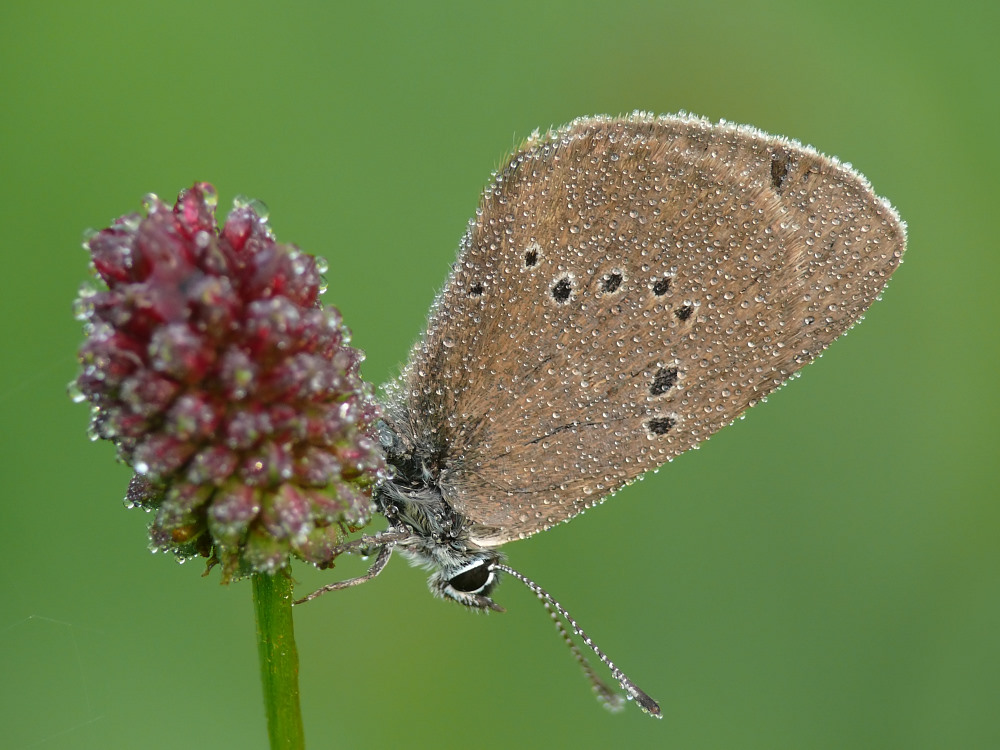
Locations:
224 383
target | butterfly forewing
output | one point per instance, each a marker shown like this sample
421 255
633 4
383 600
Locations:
628 287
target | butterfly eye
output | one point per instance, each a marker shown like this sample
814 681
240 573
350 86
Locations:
472 580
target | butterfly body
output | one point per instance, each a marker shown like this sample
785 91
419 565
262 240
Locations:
434 536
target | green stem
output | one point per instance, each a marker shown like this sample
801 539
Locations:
279 659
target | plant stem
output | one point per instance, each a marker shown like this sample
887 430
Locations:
279 659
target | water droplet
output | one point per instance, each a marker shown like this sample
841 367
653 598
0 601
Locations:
257 206
75 394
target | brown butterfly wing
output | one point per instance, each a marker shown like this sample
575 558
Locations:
628 287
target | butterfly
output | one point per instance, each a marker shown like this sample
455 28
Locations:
627 287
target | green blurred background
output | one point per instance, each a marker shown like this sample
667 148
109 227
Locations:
825 574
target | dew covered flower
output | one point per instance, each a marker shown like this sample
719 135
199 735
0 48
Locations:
225 384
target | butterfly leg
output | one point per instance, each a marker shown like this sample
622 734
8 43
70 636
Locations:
384 553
